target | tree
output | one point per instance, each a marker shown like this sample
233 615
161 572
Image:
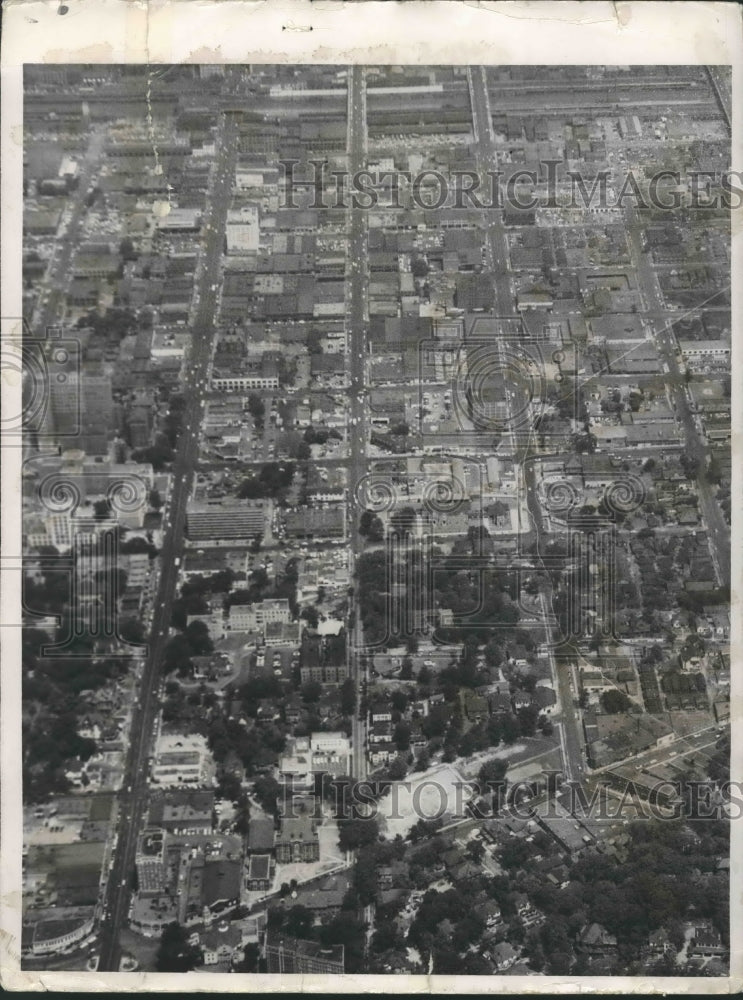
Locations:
250 959
155 499
690 465
197 634
266 791
397 769
401 736
132 630
257 409
242 815
299 922
311 615
175 954
311 692
491 774
348 696
355 833
614 701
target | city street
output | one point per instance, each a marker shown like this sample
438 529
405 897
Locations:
134 797
357 284
695 444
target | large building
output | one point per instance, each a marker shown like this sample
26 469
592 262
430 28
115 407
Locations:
243 230
297 840
188 810
182 761
284 954
222 519
320 753
254 617
150 863
315 522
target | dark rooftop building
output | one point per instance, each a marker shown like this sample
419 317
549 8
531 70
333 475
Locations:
260 836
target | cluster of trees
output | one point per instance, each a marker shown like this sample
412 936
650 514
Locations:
257 410
52 683
614 701
319 435
114 324
174 953
371 527
668 877
273 480
159 454
445 927
664 562
485 599
194 592
178 652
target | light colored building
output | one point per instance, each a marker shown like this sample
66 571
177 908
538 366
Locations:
254 617
243 230
180 220
182 760
222 519
238 383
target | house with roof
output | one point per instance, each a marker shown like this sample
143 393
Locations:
594 940
544 698
382 753
706 942
659 944
503 955
324 897
220 944
490 913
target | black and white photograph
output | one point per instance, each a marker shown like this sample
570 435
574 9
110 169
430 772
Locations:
375 485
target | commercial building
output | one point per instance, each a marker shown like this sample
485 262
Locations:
180 220
243 230
239 383
320 753
183 810
182 760
255 617
697 350
222 519
150 864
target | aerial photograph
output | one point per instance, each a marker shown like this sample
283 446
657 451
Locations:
376 487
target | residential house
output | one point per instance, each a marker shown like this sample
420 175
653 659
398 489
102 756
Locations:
594 940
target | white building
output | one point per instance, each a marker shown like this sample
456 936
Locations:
243 230
182 760
254 617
